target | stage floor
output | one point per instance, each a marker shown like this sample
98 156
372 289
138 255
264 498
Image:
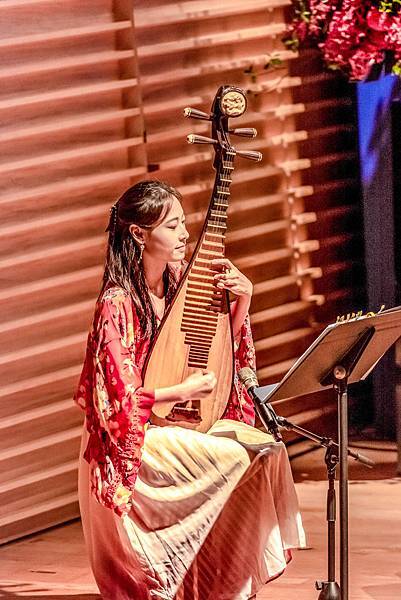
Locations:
53 564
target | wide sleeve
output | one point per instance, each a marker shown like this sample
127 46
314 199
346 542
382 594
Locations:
120 407
244 348
240 406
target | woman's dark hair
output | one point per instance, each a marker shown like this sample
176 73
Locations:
143 204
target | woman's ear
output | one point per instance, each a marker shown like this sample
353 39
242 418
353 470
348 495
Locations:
137 233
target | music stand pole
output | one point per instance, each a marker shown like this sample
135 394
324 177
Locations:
341 385
330 589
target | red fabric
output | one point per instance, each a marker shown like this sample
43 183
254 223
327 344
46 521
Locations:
117 407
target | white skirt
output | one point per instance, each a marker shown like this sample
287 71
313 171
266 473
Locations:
214 517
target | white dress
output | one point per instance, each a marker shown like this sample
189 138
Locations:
214 517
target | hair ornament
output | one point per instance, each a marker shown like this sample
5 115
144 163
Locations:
113 219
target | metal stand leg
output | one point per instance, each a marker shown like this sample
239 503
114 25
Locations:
330 589
342 392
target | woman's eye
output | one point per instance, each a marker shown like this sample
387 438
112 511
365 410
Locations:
175 226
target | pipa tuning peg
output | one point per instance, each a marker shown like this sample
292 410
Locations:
199 139
194 113
249 132
250 155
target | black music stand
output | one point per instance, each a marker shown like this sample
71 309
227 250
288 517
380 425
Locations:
345 352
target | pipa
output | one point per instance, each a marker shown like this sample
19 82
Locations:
196 330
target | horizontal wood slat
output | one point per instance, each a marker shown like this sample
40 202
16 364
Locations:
16 489
67 94
64 63
40 516
74 184
45 159
150 17
30 392
45 128
36 38
217 39
229 65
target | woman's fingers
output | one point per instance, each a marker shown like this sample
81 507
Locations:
230 278
220 262
222 265
227 285
227 281
237 286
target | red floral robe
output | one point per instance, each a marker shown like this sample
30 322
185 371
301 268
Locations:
117 408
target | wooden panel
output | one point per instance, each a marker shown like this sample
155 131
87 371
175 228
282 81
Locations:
72 140
293 222
267 197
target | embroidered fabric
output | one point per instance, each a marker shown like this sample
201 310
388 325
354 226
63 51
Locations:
116 405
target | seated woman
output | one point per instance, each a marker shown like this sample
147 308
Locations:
168 512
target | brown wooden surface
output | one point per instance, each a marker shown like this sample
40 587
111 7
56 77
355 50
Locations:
292 218
168 365
79 86
71 139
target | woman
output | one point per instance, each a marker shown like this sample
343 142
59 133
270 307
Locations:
169 512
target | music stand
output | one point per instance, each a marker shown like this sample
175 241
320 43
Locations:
345 352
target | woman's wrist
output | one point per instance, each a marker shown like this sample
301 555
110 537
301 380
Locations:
174 393
239 311
241 305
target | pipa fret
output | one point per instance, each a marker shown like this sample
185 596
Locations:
199 278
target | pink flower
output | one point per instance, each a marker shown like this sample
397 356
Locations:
361 62
352 34
301 31
378 20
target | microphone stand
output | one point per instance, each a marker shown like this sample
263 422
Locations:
329 590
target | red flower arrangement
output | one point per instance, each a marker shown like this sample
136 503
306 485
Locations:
353 35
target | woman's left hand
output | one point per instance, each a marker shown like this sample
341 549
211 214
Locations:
230 278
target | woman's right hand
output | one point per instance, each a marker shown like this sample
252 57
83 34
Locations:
198 385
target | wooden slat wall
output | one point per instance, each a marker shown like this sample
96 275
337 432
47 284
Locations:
80 82
185 52
292 218
71 139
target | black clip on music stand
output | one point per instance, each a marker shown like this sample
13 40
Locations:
344 353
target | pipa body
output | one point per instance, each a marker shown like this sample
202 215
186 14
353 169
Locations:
196 330
180 349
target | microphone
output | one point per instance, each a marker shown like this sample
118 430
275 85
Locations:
264 410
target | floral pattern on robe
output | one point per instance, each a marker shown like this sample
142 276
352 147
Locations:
116 405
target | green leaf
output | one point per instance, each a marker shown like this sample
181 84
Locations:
292 44
397 69
276 62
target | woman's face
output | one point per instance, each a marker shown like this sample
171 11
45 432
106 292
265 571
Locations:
167 240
